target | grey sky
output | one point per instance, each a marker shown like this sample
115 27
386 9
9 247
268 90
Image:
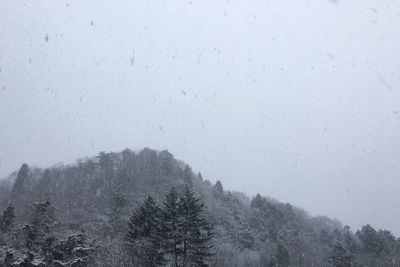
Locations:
298 100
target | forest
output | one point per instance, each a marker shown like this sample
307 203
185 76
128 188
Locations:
146 208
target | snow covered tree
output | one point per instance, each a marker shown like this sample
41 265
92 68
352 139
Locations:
171 221
179 233
7 224
143 237
257 202
44 186
340 256
22 184
370 240
282 256
7 219
118 203
73 251
200 177
40 227
218 188
375 251
187 176
195 230
348 239
166 162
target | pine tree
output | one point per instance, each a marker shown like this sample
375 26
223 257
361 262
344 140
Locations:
6 225
166 162
340 256
370 240
282 256
143 235
200 177
218 188
257 202
44 185
118 197
74 251
186 234
187 176
372 246
348 239
22 183
7 219
106 178
40 229
171 233
195 230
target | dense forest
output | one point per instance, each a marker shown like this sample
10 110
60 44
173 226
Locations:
146 208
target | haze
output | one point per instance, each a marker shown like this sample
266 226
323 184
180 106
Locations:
296 100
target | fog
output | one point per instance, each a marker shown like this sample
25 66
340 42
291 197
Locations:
296 100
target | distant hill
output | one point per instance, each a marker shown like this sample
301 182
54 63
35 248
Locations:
94 198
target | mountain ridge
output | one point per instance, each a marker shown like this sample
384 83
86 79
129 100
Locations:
96 196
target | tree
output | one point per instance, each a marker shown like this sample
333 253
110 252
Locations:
200 177
348 239
44 185
74 251
218 187
370 240
171 234
282 256
143 237
195 230
40 229
22 183
7 219
118 197
257 202
166 162
178 233
7 224
325 237
187 176
340 256
378 248
119 201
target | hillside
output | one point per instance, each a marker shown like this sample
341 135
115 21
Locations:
93 199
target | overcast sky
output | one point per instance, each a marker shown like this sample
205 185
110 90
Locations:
298 100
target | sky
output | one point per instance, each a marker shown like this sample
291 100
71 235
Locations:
297 100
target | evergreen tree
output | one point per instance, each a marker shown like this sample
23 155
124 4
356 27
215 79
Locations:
118 197
44 185
7 225
200 177
370 240
325 237
195 230
22 183
187 176
143 235
7 219
282 256
74 251
372 246
106 163
171 220
340 256
257 202
40 229
348 239
166 162
218 187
